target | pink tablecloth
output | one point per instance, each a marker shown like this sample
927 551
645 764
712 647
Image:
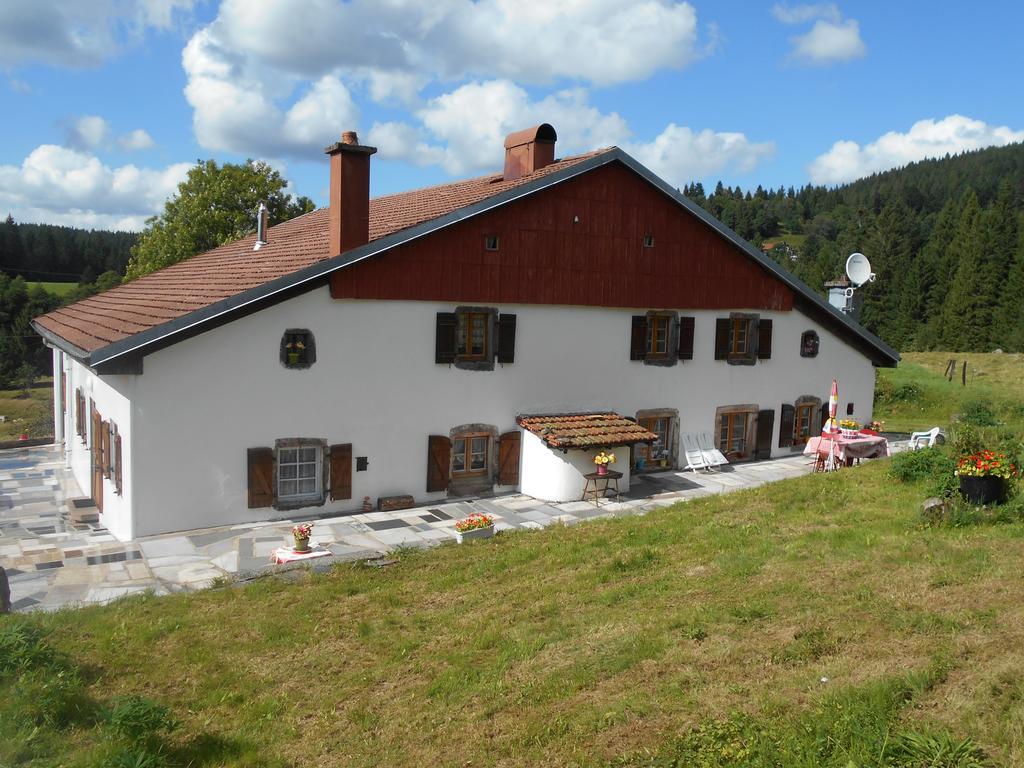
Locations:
283 555
844 448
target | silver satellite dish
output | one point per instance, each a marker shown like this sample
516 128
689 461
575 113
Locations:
858 269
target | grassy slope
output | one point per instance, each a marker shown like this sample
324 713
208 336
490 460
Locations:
577 645
60 289
996 378
33 413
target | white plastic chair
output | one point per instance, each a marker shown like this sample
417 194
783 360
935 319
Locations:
694 455
712 455
926 439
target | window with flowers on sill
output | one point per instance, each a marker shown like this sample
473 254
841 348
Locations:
298 348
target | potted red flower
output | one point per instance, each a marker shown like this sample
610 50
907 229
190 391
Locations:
983 476
476 526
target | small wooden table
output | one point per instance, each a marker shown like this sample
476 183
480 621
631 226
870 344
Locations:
599 491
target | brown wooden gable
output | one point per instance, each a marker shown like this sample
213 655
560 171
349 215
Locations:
546 256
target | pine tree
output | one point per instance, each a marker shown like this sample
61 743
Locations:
1009 322
966 316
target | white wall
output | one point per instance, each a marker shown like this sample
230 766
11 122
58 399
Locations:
113 398
551 475
201 403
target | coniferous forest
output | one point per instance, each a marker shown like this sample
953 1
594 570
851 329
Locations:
945 238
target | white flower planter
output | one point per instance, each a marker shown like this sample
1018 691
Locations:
476 533
850 433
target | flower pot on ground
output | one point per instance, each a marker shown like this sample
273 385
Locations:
983 490
301 533
476 526
984 476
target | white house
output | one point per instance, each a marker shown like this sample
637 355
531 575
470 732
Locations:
389 346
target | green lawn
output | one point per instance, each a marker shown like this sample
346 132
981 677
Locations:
32 414
915 396
811 622
60 289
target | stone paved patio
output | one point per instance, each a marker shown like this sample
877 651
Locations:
53 562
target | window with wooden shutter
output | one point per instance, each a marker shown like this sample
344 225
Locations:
103 441
118 485
764 339
341 472
763 442
508 458
444 346
686 328
506 339
722 333
786 424
638 338
260 477
825 415
439 458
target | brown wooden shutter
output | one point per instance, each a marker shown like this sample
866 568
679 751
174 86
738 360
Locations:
508 458
686 326
117 463
722 331
786 425
638 338
261 477
506 339
104 443
444 343
341 471
764 339
824 414
765 424
439 461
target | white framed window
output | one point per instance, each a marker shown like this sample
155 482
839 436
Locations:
300 473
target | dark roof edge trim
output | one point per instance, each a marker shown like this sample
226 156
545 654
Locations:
139 341
887 356
61 343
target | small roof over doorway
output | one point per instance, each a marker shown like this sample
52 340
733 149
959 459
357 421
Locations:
585 430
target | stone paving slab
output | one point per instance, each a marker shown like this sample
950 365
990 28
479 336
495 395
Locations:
52 563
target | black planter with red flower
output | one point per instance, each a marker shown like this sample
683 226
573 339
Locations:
984 477
983 490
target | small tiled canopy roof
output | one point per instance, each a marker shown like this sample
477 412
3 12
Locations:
586 430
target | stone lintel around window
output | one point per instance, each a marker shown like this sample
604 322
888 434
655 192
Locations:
750 356
325 469
487 364
671 356
672 415
749 438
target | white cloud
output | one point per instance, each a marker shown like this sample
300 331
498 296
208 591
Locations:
137 139
601 41
799 14
66 186
247 69
464 131
679 154
72 33
87 132
847 160
829 42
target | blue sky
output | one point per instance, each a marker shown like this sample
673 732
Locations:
108 102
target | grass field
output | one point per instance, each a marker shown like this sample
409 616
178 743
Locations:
33 414
806 623
60 289
915 396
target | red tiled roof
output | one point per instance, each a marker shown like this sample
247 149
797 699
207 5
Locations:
231 269
586 430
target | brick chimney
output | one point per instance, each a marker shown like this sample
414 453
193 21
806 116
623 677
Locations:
350 193
529 150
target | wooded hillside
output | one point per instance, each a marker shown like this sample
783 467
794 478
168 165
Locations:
944 236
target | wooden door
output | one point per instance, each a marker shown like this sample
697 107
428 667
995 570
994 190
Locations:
96 455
